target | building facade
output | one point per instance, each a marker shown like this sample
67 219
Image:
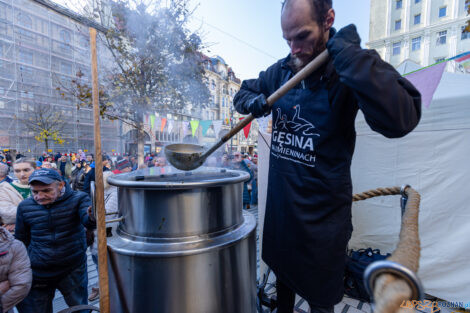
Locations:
42 47
223 85
424 31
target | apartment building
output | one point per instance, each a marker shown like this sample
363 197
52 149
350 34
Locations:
424 31
223 85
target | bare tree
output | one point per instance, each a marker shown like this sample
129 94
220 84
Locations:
45 122
156 63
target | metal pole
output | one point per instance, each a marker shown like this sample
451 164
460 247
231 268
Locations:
99 192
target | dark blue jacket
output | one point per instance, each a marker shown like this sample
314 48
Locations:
89 177
54 234
308 210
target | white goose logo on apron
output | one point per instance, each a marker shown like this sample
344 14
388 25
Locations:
292 139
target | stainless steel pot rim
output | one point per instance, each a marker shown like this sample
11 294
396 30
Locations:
125 246
151 178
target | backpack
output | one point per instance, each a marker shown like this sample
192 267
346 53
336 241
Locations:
356 263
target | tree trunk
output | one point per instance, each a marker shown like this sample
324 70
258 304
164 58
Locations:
46 143
140 144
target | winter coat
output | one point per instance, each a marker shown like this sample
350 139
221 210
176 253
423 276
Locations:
9 200
241 166
90 176
54 234
78 178
308 210
14 267
110 206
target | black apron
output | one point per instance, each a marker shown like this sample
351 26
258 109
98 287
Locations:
308 211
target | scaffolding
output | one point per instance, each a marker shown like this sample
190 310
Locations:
42 49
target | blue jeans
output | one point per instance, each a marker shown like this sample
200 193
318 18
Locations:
74 288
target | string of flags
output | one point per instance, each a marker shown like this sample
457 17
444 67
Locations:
162 124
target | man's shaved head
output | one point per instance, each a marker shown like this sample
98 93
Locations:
319 8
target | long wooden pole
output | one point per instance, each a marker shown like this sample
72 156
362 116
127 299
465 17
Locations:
99 187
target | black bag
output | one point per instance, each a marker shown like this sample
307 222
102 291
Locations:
356 263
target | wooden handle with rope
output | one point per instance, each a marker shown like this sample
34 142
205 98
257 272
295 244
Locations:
100 211
389 290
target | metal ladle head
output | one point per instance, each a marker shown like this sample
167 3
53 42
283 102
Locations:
185 157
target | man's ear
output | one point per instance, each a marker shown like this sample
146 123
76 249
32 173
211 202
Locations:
61 184
329 20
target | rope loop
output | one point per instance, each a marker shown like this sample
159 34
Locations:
394 280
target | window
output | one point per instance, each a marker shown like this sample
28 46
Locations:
24 20
66 68
442 11
396 48
416 44
397 24
26 56
399 4
465 34
417 1
441 38
2 104
212 84
65 36
417 19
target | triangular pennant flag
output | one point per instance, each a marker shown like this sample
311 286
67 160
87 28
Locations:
194 126
146 119
426 81
162 127
217 127
170 126
246 129
205 126
185 128
152 121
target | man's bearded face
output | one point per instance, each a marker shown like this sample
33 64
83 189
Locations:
306 39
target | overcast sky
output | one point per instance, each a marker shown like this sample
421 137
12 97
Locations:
247 33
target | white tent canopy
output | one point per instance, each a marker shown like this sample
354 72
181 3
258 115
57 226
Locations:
434 160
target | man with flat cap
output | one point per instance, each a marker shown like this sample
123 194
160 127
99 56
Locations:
52 224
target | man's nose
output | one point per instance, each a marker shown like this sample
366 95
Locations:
295 48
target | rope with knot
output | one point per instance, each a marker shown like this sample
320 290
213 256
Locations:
389 290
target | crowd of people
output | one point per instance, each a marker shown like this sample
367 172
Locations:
47 222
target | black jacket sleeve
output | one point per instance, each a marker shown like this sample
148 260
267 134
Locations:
390 103
89 177
22 231
251 88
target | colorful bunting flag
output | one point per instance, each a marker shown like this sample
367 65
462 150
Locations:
152 121
194 126
217 126
162 127
205 126
185 128
246 129
170 126
426 81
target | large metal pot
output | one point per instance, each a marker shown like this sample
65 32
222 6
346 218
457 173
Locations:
184 243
